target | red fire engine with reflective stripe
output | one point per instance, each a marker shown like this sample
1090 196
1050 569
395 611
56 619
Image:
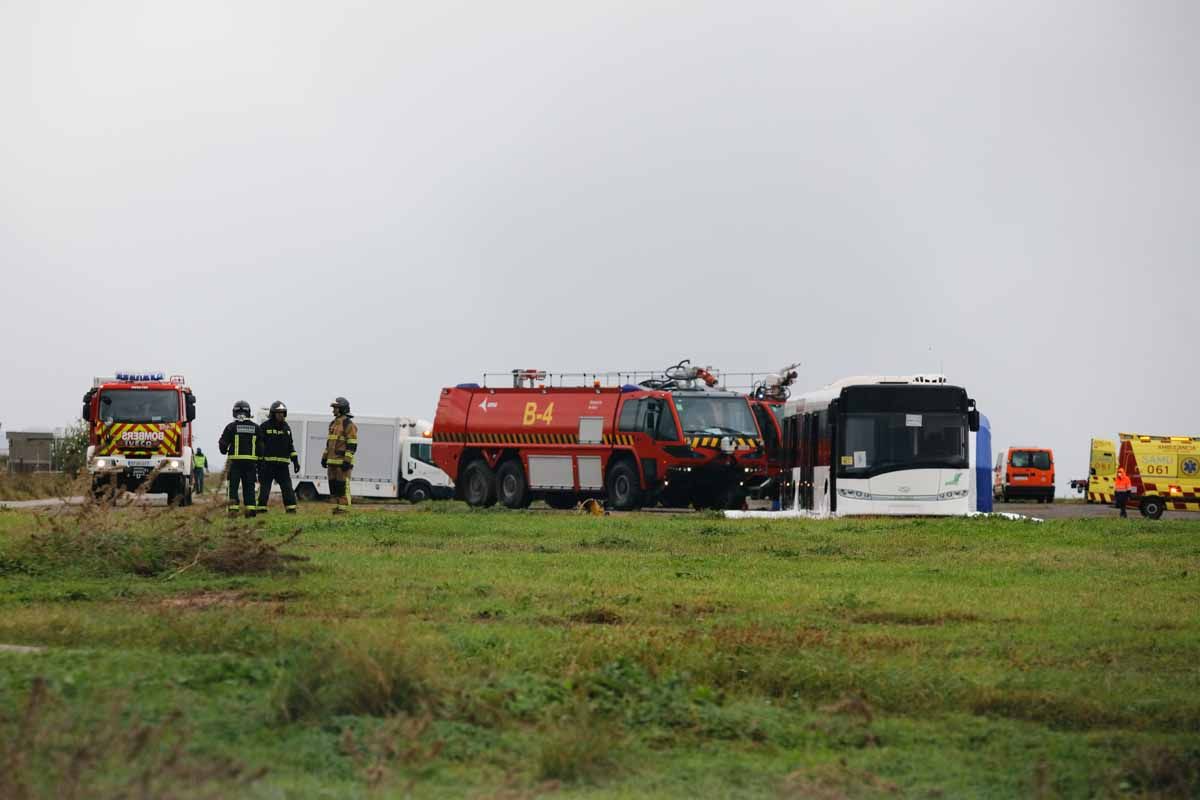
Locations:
674 442
140 434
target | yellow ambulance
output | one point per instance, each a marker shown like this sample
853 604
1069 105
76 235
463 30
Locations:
1165 471
1102 469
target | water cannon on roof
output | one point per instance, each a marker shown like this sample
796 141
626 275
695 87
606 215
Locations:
683 376
528 377
777 385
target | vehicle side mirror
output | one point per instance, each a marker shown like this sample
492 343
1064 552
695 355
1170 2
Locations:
86 413
973 420
189 401
1092 471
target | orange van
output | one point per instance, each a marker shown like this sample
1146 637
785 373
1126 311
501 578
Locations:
1024 472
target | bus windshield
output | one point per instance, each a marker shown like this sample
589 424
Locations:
718 416
139 405
876 442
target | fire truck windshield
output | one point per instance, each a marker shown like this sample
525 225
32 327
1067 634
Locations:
139 405
720 416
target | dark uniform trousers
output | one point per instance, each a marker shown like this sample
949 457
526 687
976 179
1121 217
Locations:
277 472
242 473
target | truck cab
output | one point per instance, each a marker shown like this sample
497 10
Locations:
420 478
140 434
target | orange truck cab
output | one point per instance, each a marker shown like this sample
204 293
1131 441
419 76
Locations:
1024 473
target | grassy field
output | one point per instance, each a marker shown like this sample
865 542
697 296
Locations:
33 485
442 652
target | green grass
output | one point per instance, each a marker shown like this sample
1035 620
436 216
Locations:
440 652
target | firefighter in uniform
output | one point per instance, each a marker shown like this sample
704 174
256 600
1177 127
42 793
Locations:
241 444
340 449
277 450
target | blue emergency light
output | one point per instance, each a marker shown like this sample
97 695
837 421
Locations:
135 377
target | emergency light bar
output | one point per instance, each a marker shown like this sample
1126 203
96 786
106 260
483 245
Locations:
136 377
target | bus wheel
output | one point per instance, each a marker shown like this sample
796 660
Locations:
624 489
479 484
511 485
1152 507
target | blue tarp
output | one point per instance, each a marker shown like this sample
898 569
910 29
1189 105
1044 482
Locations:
983 466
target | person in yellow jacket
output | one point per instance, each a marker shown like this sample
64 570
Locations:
340 449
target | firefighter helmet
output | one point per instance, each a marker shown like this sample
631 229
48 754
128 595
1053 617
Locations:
341 404
241 409
278 406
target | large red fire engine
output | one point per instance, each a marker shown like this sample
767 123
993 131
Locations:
767 398
675 440
140 433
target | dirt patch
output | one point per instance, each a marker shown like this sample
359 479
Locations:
598 616
913 618
21 649
202 600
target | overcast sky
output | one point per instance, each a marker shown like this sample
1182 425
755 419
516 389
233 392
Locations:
299 200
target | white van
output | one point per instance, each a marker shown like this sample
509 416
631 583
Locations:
392 461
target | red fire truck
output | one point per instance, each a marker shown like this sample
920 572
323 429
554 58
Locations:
767 398
674 440
140 433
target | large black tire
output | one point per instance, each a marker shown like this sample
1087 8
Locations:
306 492
1050 497
511 486
187 492
1152 507
479 485
174 491
624 487
418 492
560 501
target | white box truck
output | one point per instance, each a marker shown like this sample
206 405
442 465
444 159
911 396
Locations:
393 458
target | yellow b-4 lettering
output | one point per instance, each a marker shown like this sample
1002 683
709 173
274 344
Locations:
533 416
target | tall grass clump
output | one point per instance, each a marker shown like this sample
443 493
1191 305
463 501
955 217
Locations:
48 751
376 675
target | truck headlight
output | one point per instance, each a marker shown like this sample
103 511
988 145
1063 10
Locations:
100 463
174 463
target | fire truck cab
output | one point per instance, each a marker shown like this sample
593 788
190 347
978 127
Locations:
140 434
632 445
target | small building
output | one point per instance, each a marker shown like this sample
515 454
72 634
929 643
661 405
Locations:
29 451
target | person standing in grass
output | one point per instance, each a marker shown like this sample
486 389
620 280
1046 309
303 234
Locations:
1122 485
340 449
278 450
241 444
199 464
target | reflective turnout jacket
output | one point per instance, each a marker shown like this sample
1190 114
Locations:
277 442
241 440
342 443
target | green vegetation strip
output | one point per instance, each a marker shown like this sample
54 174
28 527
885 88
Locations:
446 652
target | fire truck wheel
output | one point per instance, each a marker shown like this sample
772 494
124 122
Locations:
479 484
624 489
511 486
1152 507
